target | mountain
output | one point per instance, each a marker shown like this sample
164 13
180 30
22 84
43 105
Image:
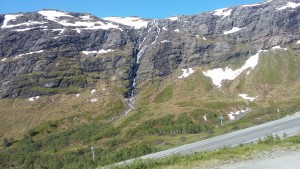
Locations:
71 75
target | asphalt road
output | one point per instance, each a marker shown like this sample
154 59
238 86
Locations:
289 125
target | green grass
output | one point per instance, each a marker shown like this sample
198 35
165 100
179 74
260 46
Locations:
165 95
241 152
166 114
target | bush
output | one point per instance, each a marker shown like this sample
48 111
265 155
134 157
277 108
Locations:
7 142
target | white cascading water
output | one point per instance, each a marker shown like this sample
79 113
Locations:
153 25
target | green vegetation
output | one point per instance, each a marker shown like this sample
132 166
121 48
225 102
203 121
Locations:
165 95
197 159
168 126
167 113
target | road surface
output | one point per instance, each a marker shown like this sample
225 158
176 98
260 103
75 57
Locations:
289 125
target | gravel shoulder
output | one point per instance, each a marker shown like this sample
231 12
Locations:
269 160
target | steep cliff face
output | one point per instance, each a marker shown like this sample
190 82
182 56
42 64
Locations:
221 35
48 52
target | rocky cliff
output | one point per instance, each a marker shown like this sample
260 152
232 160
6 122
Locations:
49 52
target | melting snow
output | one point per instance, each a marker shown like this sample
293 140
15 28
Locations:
135 22
164 41
16 57
4 59
246 97
233 30
154 24
289 5
86 17
89 52
33 98
29 23
223 12
102 51
176 30
27 29
94 100
78 30
90 25
279 48
8 18
54 30
53 15
93 91
173 18
186 73
233 115
217 75
251 5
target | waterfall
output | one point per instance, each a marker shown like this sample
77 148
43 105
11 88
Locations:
141 50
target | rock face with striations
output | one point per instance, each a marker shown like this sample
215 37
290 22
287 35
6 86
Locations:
48 52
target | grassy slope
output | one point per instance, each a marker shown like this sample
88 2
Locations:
18 116
212 159
167 113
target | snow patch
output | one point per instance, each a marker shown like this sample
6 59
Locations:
4 59
86 17
27 29
93 91
204 38
102 51
234 115
246 97
33 98
29 23
298 42
186 73
135 22
204 117
89 52
89 25
164 28
78 30
175 18
77 95
218 75
85 24
289 5
278 48
233 30
53 15
176 30
8 18
251 5
94 100
30 53
164 41
223 12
